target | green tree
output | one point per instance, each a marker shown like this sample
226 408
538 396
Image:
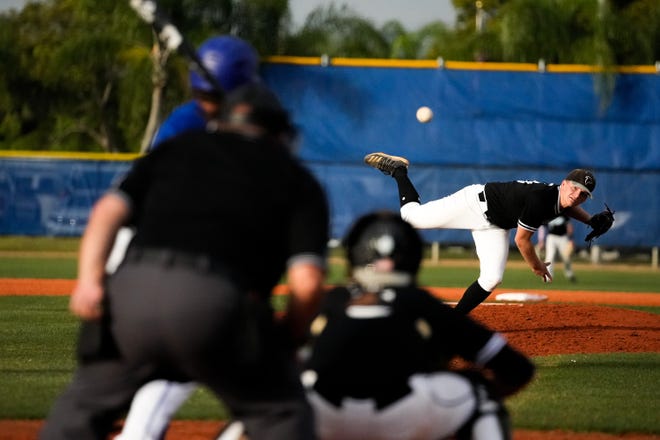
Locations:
13 88
431 41
264 23
467 12
338 32
530 30
256 21
601 32
67 75
558 31
261 22
633 31
89 75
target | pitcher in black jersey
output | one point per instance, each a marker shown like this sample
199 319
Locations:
490 210
381 347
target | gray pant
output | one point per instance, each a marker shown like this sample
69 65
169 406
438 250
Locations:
176 320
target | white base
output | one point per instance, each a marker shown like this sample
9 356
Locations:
521 297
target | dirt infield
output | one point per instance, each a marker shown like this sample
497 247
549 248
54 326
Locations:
205 430
33 286
587 325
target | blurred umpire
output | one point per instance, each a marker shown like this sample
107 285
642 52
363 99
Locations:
381 348
191 299
233 63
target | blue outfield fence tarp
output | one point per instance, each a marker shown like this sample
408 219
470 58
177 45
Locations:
48 196
355 189
487 126
482 118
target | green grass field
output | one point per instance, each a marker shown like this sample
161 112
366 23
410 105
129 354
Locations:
614 393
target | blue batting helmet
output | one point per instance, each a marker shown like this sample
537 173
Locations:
231 60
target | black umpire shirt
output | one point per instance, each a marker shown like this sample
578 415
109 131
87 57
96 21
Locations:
244 202
523 203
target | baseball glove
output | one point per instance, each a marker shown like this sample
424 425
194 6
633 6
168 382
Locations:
600 223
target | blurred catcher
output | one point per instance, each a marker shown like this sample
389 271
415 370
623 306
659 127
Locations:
381 346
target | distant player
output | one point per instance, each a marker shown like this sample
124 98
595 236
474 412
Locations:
381 346
490 210
556 239
233 62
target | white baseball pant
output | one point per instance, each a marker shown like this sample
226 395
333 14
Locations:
152 409
464 210
559 245
438 406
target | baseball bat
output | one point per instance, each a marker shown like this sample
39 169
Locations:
172 38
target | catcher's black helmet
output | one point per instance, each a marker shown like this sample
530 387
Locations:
384 235
258 105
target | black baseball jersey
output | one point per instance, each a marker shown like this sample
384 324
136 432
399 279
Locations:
527 204
558 226
186 194
369 348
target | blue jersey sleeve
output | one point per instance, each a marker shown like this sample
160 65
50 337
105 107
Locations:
186 117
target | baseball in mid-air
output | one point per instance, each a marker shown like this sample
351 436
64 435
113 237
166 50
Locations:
424 114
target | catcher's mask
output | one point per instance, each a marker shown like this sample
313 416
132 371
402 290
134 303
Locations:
383 249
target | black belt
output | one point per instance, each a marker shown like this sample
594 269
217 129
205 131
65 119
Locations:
168 257
482 198
197 262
